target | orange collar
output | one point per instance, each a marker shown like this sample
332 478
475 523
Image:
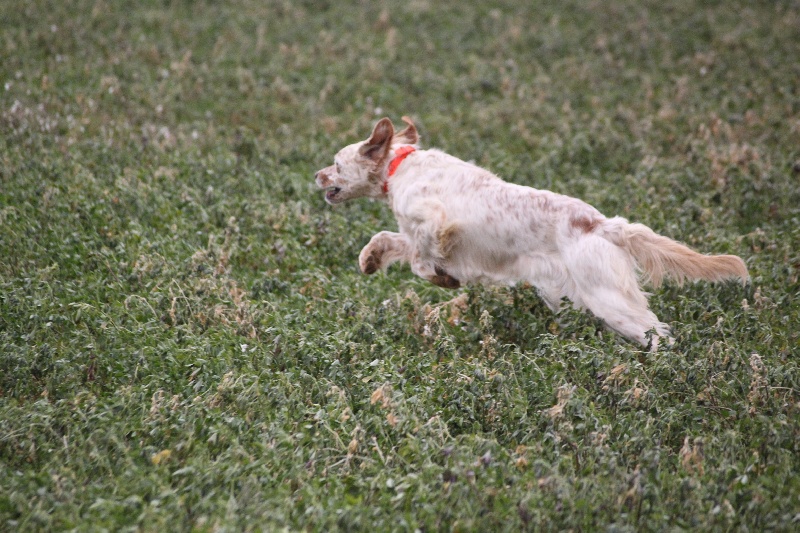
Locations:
400 154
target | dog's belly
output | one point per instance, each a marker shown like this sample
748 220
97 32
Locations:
503 266
508 234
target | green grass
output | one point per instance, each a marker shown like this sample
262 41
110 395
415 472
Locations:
186 342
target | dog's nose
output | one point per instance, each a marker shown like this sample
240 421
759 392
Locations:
321 177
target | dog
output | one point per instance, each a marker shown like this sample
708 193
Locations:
462 224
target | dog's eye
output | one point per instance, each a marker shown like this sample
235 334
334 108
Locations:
338 168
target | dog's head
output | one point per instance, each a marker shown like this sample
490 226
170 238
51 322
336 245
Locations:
359 170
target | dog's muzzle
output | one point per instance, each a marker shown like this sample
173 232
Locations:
324 181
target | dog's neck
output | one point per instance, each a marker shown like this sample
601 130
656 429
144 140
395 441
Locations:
400 153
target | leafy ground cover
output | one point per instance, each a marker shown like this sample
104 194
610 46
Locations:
186 342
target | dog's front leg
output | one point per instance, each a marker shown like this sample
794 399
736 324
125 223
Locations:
384 249
434 274
434 240
443 279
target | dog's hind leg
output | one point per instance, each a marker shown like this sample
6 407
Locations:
604 281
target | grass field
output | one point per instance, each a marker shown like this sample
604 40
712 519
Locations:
186 342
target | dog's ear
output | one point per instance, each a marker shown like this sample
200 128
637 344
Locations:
377 146
408 135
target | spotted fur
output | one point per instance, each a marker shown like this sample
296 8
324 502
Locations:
462 224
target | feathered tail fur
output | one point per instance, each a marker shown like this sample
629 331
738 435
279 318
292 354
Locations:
659 256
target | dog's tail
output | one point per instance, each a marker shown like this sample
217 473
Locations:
659 256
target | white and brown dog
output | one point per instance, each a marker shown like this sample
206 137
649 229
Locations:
460 224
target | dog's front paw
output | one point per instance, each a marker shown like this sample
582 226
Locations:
447 281
443 279
369 260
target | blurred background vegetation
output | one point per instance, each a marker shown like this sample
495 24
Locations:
186 343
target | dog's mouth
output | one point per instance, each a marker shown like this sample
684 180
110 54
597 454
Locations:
332 195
